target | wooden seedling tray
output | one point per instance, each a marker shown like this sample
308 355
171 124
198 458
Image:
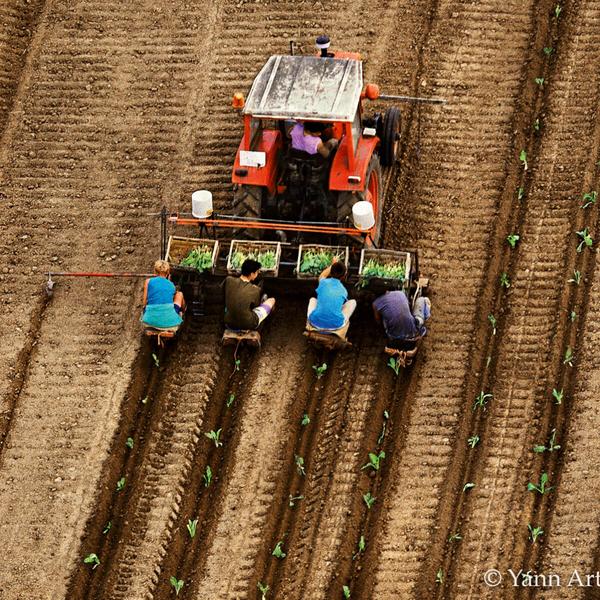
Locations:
255 248
385 257
343 250
179 247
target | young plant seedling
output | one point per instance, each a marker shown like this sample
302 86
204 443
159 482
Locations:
455 537
177 584
278 552
539 81
236 364
557 395
215 437
230 400
548 50
551 447
369 500
439 576
320 370
263 589
207 477
520 193
569 357
305 420
156 361
493 323
505 280
576 279
129 443
534 532
589 199
586 239
523 159
361 547
107 528
468 486
121 484
481 400
374 461
191 527
145 400
299 465
346 591
512 239
557 11
92 559
536 125
541 487
293 500
572 316
394 364
473 441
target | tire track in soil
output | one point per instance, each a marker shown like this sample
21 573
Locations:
528 361
449 166
88 144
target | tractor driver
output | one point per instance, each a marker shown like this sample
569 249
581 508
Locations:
307 137
163 305
243 306
402 326
331 310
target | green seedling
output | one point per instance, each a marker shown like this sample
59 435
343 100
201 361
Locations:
551 447
200 258
576 279
278 552
520 193
481 400
156 361
473 441
586 239
145 400
488 361
177 584
557 11
394 364
558 396
263 589
505 280
373 268
92 559
191 527
548 50
541 487
468 486
386 416
346 591
236 365
299 465
539 81
294 499
207 477
121 484
589 199
455 537
107 528
374 461
369 500
572 316
439 576
534 532
320 370
512 239
493 323
305 420
215 437
267 259
536 125
523 159
361 547
129 443
230 400
569 357
314 262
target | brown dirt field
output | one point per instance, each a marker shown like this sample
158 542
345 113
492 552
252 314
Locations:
110 110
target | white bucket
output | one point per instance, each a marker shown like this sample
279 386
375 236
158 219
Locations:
362 215
202 205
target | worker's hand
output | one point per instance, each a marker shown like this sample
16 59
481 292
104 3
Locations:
334 259
332 143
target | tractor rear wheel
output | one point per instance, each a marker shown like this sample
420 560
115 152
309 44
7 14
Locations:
390 142
247 203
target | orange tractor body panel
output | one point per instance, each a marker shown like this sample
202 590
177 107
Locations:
344 157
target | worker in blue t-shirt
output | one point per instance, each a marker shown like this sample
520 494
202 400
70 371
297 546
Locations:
163 304
331 310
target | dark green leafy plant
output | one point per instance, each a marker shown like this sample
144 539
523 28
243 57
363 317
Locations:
586 239
394 364
177 584
374 461
346 591
534 532
541 487
369 500
589 199
200 258
481 400
374 268
92 559
263 589
512 239
313 262
278 551
266 258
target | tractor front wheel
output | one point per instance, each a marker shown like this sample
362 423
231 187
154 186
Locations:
390 142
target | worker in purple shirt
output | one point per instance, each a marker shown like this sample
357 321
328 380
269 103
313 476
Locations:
401 325
307 137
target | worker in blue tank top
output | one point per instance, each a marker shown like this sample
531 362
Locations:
163 304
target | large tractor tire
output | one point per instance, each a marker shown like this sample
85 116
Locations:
390 141
247 203
373 193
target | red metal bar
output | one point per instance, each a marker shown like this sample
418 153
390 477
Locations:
96 274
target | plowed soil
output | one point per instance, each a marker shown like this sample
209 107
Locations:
111 110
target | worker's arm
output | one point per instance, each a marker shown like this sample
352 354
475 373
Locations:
376 314
145 299
325 149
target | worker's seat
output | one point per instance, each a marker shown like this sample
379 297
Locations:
305 177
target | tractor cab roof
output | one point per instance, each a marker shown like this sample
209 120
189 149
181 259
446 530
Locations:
306 87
